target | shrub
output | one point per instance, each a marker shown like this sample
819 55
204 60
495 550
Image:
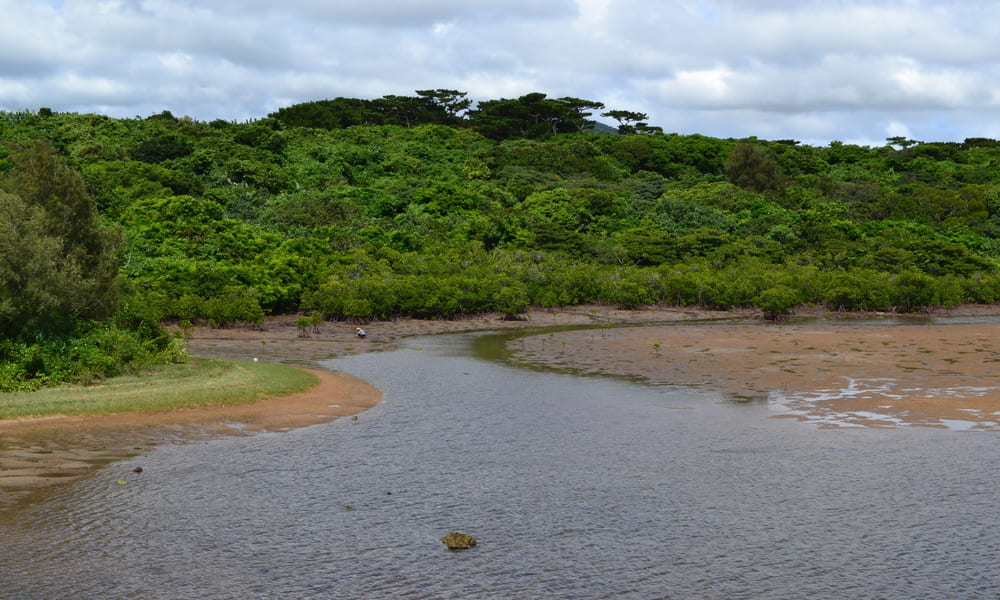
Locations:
776 301
93 352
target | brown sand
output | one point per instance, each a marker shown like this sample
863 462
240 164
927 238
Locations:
737 353
833 372
39 453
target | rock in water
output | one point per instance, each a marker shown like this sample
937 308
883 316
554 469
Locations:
458 541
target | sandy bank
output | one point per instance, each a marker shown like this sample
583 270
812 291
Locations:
884 372
838 369
39 453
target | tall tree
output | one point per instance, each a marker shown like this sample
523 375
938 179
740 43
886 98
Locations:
338 113
453 102
531 116
579 111
628 120
58 263
400 110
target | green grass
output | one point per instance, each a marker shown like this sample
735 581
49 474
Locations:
200 382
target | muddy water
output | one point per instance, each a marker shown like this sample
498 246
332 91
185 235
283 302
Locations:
575 488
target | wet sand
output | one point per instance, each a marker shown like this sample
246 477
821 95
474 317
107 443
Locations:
926 374
36 454
833 373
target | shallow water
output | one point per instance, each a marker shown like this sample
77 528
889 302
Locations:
574 487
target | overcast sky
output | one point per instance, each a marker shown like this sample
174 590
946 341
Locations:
812 70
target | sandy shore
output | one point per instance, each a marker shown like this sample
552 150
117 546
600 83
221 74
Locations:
821 369
36 454
830 372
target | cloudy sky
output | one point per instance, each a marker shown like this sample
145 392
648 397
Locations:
813 70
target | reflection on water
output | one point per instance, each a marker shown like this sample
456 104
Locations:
574 487
754 398
820 406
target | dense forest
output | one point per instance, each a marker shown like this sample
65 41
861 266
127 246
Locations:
426 206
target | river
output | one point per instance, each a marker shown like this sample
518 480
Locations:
575 487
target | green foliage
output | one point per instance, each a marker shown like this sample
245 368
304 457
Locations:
628 121
778 300
428 206
304 210
752 168
58 262
511 299
325 114
530 116
720 195
115 185
89 353
649 245
684 158
164 146
237 306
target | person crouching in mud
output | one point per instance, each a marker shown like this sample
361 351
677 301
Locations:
360 333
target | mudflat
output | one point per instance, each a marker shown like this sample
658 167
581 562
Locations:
832 372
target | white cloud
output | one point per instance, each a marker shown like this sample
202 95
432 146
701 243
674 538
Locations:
895 128
804 69
943 88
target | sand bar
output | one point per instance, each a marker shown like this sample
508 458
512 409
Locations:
831 372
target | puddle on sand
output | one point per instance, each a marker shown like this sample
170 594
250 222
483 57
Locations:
881 402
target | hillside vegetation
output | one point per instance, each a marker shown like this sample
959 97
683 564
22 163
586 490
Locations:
426 207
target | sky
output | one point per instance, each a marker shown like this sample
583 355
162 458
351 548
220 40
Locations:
815 71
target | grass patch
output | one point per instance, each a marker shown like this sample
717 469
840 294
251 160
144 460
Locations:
200 382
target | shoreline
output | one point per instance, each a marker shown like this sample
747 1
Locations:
38 454
829 373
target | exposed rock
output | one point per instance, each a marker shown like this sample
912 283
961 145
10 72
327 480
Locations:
458 541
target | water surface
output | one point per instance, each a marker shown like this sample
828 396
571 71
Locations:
574 487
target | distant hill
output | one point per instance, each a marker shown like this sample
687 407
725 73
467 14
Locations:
598 127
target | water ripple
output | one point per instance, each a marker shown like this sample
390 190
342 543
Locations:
575 488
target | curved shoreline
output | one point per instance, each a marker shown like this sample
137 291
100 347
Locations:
834 374
37 454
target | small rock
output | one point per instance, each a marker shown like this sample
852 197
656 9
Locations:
458 541
137 470
121 482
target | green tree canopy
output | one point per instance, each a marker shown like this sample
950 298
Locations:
752 168
58 263
628 121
